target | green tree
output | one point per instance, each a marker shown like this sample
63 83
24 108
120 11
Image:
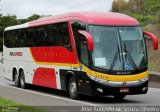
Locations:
136 6
33 17
118 5
6 21
11 20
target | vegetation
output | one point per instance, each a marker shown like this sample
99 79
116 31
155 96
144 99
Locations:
11 20
12 106
147 12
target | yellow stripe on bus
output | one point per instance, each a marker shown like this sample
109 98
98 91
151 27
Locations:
116 78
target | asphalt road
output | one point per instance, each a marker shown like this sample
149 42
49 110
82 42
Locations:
39 96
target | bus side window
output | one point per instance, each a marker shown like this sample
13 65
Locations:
62 35
20 38
80 44
66 37
51 35
40 37
29 37
84 50
10 39
58 35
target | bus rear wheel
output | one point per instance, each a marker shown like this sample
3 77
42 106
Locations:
73 88
119 96
16 79
22 80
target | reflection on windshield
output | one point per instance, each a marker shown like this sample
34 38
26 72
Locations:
106 44
118 48
134 47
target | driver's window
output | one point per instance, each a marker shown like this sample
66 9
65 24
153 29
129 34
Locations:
80 42
84 51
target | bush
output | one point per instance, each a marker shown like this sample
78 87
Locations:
118 5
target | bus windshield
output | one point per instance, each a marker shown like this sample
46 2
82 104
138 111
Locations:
118 48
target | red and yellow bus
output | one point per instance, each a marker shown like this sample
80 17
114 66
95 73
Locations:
83 53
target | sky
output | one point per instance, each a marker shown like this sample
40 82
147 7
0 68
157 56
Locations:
26 8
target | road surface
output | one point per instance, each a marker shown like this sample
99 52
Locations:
39 96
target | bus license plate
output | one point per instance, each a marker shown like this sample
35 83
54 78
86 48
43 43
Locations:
124 90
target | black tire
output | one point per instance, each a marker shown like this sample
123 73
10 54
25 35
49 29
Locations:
119 96
16 79
72 88
22 80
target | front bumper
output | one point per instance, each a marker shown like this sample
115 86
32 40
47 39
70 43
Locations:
119 84
99 86
108 90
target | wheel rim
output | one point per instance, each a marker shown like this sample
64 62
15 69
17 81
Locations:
22 82
16 78
73 88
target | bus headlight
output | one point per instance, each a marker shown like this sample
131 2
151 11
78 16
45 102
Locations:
97 79
144 79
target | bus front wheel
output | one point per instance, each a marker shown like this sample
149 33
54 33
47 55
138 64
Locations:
73 88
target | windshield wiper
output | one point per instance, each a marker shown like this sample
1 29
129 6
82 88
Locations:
130 59
115 58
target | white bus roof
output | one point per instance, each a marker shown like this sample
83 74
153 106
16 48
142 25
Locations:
25 25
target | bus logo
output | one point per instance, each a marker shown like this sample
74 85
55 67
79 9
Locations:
127 66
15 53
124 83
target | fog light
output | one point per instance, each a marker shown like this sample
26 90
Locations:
144 89
100 90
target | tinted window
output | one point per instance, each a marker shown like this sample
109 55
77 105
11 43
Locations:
29 37
40 38
84 51
81 46
20 38
58 35
10 39
49 35
75 27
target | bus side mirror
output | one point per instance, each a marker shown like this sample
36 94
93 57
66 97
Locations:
89 39
154 39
